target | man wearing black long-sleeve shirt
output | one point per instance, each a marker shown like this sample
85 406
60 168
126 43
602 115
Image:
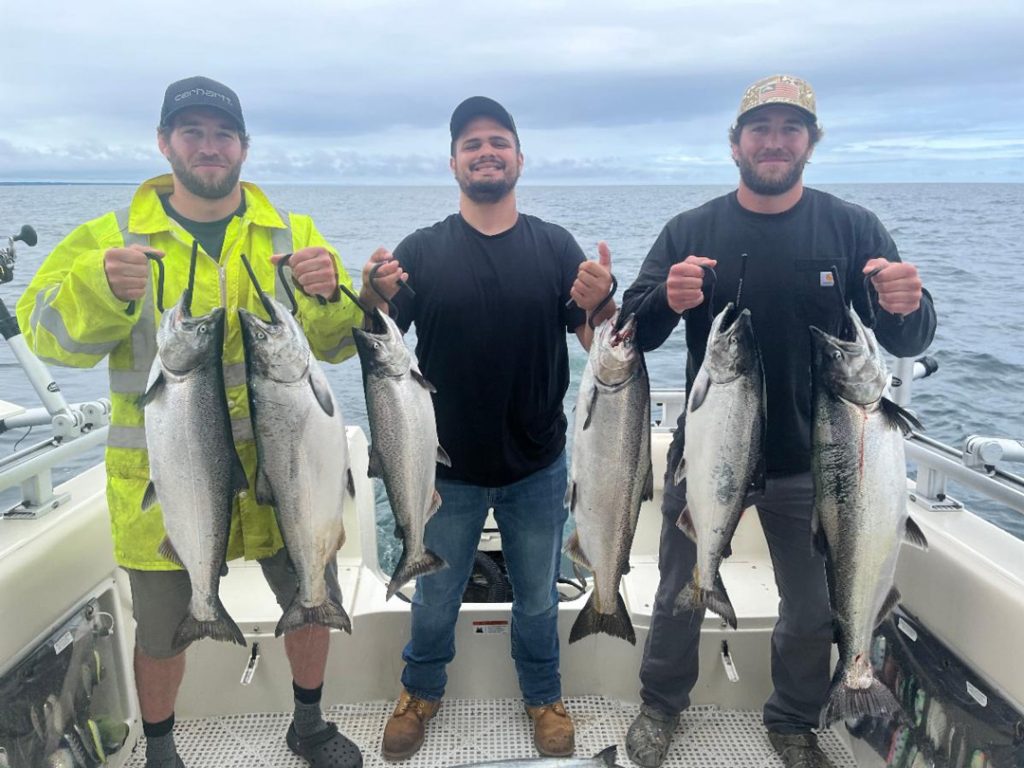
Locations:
796 243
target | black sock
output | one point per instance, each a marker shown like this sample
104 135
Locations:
161 751
308 717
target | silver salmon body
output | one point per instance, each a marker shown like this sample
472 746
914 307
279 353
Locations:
605 757
610 474
860 503
723 453
302 460
404 450
194 469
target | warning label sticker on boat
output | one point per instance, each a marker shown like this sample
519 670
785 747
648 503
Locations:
63 642
493 627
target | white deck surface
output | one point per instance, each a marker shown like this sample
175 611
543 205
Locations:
466 731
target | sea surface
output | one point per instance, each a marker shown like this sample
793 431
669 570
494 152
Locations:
965 239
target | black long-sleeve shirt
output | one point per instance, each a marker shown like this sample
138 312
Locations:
787 287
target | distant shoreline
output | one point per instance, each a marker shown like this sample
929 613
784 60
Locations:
530 184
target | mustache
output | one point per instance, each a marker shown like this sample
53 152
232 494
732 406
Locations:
489 160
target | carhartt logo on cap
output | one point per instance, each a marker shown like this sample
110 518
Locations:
196 92
201 91
779 89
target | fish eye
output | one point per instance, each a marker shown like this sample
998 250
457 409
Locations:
202 328
837 354
261 335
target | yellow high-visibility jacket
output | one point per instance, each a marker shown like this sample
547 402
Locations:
69 316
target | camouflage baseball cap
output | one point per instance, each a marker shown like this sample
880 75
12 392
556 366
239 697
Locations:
778 89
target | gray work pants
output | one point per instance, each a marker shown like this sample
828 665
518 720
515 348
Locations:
802 640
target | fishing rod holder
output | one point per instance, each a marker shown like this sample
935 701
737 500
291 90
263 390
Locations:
984 453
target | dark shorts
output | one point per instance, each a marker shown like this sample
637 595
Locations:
160 601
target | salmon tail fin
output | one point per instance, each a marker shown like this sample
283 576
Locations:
223 627
407 569
844 702
692 597
329 614
717 600
590 622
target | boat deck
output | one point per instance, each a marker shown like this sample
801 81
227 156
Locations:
471 730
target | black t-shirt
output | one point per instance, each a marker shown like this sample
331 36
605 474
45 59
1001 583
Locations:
491 327
210 234
787 287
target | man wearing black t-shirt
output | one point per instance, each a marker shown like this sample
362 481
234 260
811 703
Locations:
491 286
791 237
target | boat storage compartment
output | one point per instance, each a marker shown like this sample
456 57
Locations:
952 718
65 701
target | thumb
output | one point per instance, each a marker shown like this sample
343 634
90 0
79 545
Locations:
604 255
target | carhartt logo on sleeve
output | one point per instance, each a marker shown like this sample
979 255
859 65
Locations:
826 280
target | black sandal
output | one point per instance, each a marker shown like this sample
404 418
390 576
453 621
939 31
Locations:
327 748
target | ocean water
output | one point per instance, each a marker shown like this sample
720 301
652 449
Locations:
964 238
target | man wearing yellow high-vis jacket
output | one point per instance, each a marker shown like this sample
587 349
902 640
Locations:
96 296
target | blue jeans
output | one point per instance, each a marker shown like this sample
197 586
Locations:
530 514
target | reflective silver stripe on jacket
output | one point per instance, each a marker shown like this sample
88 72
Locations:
143 335
135 437
43 314
281 242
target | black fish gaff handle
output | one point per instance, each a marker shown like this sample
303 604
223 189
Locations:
159 284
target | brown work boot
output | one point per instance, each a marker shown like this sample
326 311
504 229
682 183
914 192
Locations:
553 731
403 732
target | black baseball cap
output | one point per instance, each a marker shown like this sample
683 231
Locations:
480 106
201 91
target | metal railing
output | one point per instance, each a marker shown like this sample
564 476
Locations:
76 428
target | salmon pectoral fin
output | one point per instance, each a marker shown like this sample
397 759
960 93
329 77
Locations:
149 497
422 381
156 385
685 524
322 391
442 457
680 473
912 534
899 418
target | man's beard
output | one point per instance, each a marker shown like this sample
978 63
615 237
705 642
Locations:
197 185
490 191
771 186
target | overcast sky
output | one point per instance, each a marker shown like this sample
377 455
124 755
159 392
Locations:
360 91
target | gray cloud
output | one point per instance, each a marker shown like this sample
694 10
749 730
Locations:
361 91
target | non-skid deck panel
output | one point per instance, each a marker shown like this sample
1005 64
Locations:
466 731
